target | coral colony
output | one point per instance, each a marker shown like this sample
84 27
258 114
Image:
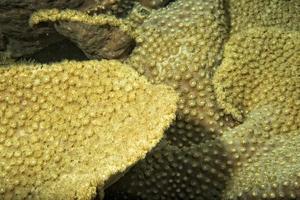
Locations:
182 99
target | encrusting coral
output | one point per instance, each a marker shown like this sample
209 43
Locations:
197 171
256 159
234 80
66 128
165 53
259 82
245 14
180 45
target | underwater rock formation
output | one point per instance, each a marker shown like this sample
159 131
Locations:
24 40
20 38
93 34
68 127
98 42
154 3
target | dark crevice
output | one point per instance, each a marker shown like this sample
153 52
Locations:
56 52
227 14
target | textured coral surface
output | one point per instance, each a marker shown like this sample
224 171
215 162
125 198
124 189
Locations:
260 82
236 68
256 82
180 45
67 127
245 14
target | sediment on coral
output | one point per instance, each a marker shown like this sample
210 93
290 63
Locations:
66 128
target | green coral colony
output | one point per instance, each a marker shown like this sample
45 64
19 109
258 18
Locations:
226 72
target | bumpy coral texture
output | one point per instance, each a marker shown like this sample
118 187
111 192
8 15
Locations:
180 45
198 171
121 7
268 13
257 83
183 133
112 7
259 80
66 128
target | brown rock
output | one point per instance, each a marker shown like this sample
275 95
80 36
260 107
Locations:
21 39
154 3
98 42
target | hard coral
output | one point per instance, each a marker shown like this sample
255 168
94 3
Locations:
66 128
258 81
170 172
258 84
183 57
260 67
245 14
184 133
118 8
181 45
